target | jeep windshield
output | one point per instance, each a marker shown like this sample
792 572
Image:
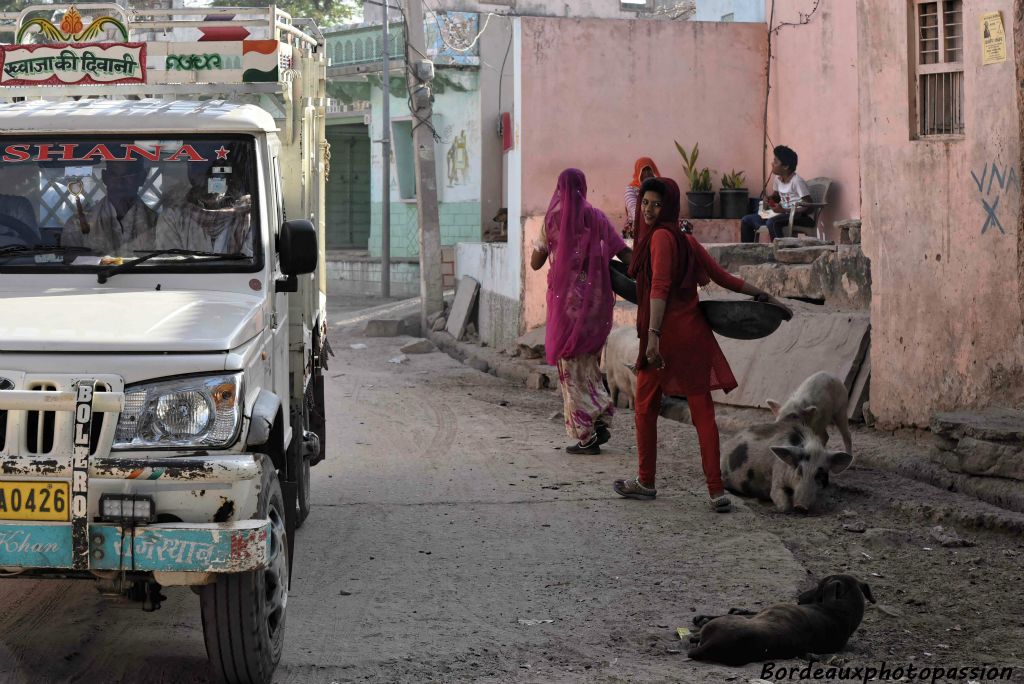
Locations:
81 203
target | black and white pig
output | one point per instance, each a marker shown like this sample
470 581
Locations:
785 462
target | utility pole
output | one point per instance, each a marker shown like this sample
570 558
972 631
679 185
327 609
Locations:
385 149
426 169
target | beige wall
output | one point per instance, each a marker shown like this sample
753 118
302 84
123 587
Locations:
813 103
599 109
946 313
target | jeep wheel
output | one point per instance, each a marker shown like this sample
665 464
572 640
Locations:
244 613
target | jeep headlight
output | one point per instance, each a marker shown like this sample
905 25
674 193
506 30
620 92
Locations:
202 412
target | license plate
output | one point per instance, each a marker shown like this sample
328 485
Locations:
34 500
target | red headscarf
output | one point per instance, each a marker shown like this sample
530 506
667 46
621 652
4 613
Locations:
580 297
641 164
689 273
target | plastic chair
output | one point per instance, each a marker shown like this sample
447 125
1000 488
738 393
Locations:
819 188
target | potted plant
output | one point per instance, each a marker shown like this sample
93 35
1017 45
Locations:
733 195
700 198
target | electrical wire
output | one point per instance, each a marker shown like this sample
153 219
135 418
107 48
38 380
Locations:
773 30
501 74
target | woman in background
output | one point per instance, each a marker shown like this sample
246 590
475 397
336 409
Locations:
579 240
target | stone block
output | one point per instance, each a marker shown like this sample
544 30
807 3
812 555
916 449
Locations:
802 255
418 347
479 364
992 424
841 278
536 381
796 281
733 256
991 459
531 345
412 326
462 307
439 323
384 327
849 231
802 241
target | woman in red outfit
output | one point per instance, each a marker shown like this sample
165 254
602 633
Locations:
678 352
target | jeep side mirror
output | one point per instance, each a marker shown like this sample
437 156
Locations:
298 247
298 250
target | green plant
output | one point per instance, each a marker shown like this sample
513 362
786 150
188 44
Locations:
733 181
700 179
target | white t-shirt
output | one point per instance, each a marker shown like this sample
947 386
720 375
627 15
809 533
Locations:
791 191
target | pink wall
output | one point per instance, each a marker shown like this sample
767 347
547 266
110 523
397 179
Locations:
945 312
597 94
813 101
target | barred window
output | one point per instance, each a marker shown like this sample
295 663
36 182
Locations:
937 53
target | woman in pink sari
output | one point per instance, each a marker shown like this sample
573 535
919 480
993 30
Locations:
580 241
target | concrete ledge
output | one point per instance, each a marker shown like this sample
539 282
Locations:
711 231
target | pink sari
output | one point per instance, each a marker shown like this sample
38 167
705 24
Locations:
581 242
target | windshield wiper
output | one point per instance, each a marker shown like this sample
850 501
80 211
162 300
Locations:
104 275
12 251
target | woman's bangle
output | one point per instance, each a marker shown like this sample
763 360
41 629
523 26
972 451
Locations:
657 333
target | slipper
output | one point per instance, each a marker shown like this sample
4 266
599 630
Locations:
632 489
721 504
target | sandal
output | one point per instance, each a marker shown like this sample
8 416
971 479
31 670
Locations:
588 448
632 489
721 504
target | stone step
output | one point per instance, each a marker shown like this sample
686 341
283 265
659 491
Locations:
987 442
992 424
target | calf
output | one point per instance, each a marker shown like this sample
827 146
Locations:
785 462
822 622
620 354
819 401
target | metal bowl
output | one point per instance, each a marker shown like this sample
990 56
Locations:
622 284
743 319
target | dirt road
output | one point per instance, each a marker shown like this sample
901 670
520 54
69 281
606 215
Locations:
453 539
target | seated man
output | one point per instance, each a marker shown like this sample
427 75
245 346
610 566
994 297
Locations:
121 222
790 189
210 219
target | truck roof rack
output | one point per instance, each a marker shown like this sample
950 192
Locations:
109 51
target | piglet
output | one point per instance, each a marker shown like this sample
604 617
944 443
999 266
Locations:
819 401
785 462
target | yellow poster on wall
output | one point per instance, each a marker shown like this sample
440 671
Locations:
993 38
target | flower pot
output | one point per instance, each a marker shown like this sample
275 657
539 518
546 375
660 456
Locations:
702 204
733 202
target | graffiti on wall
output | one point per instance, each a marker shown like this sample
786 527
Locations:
458 160
994 184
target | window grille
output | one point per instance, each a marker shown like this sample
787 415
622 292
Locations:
938 68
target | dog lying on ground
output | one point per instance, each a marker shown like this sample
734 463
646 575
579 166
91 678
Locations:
822 622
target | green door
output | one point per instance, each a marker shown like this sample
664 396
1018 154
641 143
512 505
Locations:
348 187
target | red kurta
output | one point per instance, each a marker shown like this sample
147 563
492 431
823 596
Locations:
694 363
